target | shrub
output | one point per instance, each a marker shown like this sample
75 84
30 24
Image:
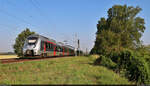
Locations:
105 61
137 68
114 56
147 58
124 59
131 64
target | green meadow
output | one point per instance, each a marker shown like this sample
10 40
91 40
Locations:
67 70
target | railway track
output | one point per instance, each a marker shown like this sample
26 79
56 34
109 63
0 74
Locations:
16 60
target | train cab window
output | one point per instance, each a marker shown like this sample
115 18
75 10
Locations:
32 40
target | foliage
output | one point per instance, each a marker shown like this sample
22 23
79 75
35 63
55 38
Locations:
104 61
20 41
122 29
79 52
144 50
139 70
136 67
128 63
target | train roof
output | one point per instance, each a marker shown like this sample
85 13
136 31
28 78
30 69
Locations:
60 43
33 35
42 37
52 40
69 46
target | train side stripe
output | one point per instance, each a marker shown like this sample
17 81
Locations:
51 42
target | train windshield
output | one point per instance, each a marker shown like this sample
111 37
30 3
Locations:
32 40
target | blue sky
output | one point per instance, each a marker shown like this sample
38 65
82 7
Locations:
60 19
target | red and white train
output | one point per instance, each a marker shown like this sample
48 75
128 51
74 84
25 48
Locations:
37 45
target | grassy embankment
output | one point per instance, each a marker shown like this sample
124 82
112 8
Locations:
8 56
72 70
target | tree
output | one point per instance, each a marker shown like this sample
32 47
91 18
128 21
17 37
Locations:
122 29
20 41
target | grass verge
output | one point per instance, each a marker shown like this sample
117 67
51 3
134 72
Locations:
71 70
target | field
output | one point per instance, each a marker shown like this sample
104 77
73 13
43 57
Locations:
66 70
8 56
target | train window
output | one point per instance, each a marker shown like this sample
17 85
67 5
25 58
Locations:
51 47
46 44
58 48
65 49
42 45
61 49
69 50
32 40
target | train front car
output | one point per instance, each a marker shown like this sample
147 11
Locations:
31 47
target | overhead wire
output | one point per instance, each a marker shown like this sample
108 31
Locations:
36 5
8 26
15 17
